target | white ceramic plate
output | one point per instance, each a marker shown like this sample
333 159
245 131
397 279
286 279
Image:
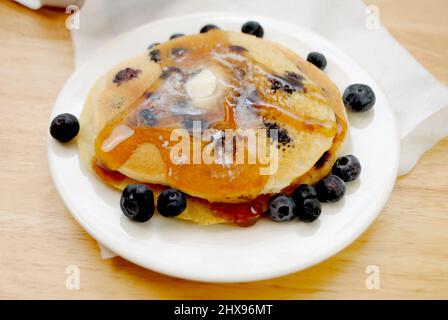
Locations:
226 253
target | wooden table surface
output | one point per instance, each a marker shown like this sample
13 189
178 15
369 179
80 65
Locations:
39 238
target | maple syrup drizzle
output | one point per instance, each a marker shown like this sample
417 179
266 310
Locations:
237 72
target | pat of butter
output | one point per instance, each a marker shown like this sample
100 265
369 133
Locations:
202 85
117 136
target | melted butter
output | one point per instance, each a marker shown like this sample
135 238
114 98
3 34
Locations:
202 85
171 104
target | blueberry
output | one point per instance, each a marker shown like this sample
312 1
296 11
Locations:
307 206
359 97
176 35
309 210
330 189
64 127
168 71
148 116
289 82
126 74
348 168
302 192
281 208
154 55
253 28
237 49
318 59
171 203
283 137
207 28
137 202
178 52
152 45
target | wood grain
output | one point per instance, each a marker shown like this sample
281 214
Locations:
39 238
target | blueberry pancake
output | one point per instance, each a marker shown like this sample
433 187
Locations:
210 83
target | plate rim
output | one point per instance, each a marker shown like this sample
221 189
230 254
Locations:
103 238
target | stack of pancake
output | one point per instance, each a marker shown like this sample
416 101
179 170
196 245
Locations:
213 82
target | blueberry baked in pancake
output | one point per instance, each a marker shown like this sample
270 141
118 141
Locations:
218 127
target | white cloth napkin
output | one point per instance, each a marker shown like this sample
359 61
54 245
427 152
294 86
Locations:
419 101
